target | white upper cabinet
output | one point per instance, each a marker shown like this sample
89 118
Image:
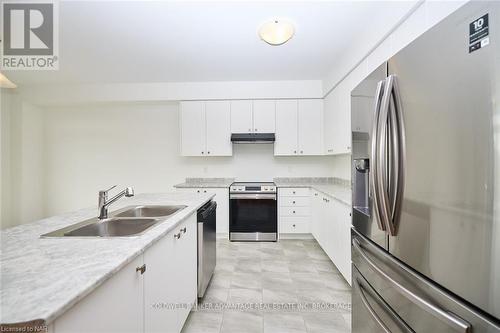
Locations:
218 120
362 108
299 127
253 116
241 116
264 116
310 127
286 128
206 128
193 128
337 125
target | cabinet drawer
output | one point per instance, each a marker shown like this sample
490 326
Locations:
294 201
294 191
294 211
290 226
195 190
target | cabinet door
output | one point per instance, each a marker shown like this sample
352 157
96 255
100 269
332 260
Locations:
193 130
315 213
115 306
330 104
310 127
218 127
342 122
222 199
286 128
344 241
185 267
264 116
241 117
160 290
362 113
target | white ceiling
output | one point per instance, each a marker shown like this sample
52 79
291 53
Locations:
134 41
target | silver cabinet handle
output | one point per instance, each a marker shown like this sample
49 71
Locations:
368 307
293 202
293 225
249 129
302 152
434 310
204 191
177 236
141 269
295 152
198 191
208 152
255 130
183 230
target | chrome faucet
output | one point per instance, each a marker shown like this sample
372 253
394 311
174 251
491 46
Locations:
104 202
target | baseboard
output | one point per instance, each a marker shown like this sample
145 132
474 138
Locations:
295 236
222 235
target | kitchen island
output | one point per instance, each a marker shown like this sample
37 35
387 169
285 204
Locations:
44 278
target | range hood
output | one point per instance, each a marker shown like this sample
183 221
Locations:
252 138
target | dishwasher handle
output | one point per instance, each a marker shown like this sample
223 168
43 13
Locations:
205 211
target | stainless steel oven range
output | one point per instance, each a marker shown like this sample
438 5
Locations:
253 212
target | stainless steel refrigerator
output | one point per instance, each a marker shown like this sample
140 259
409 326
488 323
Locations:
426 182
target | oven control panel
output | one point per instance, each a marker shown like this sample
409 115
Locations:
237 188
253 188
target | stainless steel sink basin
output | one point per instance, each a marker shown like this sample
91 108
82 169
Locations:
150 211
113 228
128 221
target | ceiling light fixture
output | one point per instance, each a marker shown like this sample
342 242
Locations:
6 83
276 32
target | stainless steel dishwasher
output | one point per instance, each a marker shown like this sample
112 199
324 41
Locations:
206 245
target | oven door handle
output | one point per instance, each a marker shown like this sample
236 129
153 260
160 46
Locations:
253 196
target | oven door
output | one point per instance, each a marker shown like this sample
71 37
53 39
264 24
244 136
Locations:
253 216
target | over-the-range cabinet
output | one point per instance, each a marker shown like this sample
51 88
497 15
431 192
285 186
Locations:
426 182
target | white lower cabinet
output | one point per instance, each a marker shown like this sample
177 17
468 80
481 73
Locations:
222 200
331 227
153 293
170 280
116 306
293 211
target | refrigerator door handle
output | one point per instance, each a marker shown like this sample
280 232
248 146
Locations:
373 163
391 156
400 156
369 308
445 316
383 141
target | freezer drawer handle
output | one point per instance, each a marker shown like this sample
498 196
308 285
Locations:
400 322
436 311
370 309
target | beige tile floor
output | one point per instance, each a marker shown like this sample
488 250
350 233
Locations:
265 283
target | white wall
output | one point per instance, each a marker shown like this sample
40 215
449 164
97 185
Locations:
170 91
22 165
340 81
137 144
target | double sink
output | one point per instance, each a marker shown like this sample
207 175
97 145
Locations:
128 221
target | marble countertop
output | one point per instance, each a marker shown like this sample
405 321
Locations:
44 277
335 188
206 183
